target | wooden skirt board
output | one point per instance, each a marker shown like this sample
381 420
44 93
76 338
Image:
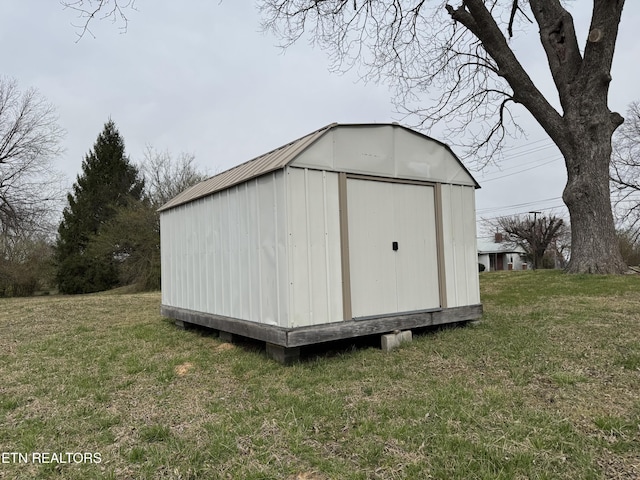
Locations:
301 336
393 256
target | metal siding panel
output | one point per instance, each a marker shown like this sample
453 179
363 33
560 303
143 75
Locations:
184 258
316 218
300 274
364 150
258 257
166 258
253 270
187 263
319 155
194 261
315 268
225 254
225 251
384 150
333 252
268 238
175 252
420 158
457 210
281 244
460 245
234 254
210 253
449 245
202 255
471 272
218 273
244 284
165 261
310 242
416 157
194 277
180 255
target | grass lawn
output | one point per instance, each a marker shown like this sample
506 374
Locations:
547 386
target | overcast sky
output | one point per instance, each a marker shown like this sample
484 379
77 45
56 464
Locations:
198 76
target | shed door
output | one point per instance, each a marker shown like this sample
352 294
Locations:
392 247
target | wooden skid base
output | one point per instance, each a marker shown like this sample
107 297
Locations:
283 355
297 337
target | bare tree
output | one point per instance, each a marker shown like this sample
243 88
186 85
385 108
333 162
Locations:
468 57
625 173
88 10
535 235
132 237
30 189
464 53
165 177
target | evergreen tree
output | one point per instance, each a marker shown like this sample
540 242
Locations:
108 182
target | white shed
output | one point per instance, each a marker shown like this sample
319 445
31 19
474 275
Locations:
351 230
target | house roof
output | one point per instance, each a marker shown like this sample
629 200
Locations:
490 246
274 160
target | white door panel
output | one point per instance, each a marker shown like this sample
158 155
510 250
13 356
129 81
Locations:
384 280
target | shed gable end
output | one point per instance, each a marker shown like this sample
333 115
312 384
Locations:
384 150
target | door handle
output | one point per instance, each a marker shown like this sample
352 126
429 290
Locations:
394 245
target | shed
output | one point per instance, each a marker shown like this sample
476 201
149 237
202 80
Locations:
351 230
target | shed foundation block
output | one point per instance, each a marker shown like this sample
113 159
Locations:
226 337
184 325
393 340
283 355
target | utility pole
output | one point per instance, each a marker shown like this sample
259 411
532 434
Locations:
535 238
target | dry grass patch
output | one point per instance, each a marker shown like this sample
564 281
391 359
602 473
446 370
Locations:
544 387
183 369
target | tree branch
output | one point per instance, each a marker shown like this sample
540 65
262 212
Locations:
473 14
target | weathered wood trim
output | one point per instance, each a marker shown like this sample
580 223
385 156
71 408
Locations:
301 336
344 247
268 333
358 328
442 273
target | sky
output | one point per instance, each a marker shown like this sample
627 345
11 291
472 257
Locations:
201 77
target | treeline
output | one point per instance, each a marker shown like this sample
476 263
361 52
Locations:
110 232
109 235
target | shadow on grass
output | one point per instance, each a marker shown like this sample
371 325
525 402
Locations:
318 351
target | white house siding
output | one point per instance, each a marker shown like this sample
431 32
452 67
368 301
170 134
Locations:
226 253
483 258
460 254
315 289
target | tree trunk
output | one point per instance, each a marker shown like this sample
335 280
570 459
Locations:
594 244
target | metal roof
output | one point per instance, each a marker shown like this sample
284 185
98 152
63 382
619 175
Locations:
490 246
268 162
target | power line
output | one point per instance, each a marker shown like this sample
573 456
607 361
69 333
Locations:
550 210
530 145
518 205
521 171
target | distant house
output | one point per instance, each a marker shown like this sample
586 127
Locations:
496 254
